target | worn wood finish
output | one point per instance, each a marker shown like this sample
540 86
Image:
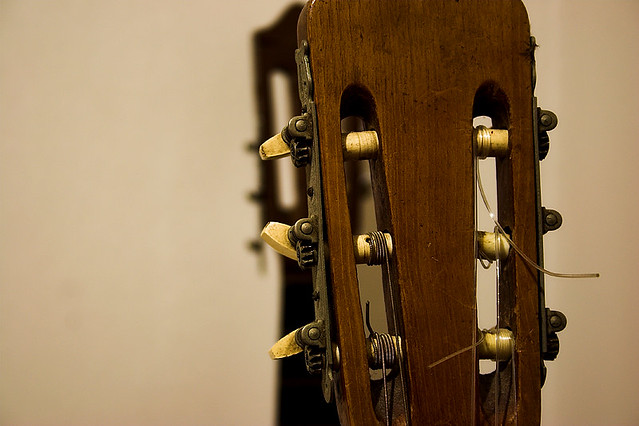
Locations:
422 64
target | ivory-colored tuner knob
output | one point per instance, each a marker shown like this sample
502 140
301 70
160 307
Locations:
492 246
490 142
286 346
275 234
366 247
496 345
273 148
356 146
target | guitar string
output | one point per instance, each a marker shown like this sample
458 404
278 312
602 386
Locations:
476 316
498 327
399 350
499 233
516 247
456 353
378 346
383 353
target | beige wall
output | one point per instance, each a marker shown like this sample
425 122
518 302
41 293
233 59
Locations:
126 292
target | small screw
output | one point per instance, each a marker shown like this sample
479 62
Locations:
546 120
316 296
301 125
306 228
309 192
551 219
555 321
314 333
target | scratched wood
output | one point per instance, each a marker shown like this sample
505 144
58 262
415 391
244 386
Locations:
426 68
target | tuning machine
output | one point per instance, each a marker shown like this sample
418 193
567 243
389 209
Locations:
299 242
555 322
490 142
546 121
310 339
355 145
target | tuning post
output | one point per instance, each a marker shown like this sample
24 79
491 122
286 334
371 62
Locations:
491 246
490 142
373 248
360 145
496 344
384 350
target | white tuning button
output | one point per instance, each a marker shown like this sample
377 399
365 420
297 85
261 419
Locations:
492 246
286 346
360 145
274 148
490 142
275 234
356 146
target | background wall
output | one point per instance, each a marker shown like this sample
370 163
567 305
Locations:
127 295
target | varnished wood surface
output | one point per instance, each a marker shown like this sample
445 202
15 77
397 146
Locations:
423 62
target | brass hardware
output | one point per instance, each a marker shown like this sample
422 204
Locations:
490 142
356 146
496 345
487 246
276 235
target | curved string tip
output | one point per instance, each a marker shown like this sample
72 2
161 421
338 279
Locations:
515 247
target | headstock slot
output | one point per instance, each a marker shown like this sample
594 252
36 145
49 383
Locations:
358 113
492 109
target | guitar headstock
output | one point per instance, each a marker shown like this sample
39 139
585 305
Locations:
413 75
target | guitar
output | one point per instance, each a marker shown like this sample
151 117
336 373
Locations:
397 85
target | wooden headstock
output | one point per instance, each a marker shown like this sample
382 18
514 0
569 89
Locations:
415 73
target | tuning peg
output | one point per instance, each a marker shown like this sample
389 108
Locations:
546 121
496 344
275 234
355 145
491 246
360 145
311 335
490 142
368 248
286 346
274 147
